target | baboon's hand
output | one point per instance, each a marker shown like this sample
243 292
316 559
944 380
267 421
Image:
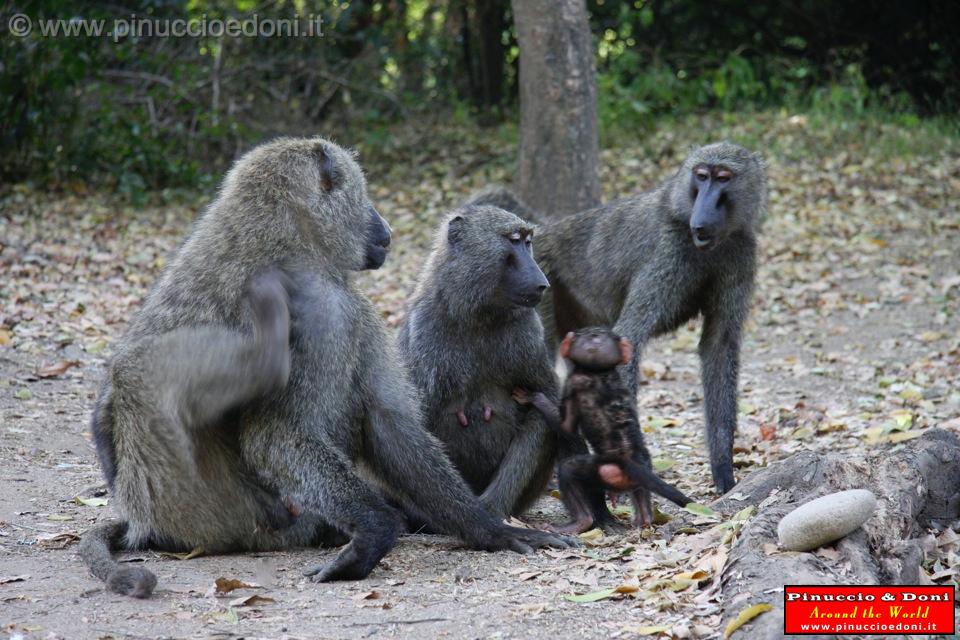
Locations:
521 396
526 540
269 300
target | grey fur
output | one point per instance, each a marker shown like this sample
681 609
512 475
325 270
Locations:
464 347
256 390
502 197
631 265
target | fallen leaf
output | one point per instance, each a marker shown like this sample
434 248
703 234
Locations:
250 601
91 502
744 514
57 540
903 436
23 394
593 596
697 576
701 510
654 630
366 595
227 615
534 609
196 553
57 369
226 585
744 617
662 464
593 534
768 431
659 423
659 517
96 346
903 418
5 337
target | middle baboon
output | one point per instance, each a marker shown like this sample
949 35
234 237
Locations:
470 336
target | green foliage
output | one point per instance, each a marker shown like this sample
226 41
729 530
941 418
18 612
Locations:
838 60
140 113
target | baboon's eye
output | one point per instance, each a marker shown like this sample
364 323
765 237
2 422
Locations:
515 237
702 173
724 175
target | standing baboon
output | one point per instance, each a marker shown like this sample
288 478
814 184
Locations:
471 334
597 404
234 415
648 263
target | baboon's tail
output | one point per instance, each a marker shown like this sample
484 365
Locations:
656 484
96 550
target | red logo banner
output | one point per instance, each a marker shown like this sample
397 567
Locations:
868 610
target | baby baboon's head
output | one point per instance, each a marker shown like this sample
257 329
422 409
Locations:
596 349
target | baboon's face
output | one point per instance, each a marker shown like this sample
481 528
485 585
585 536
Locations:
596 348
708 219
343 215
342 222
718 191
377 239
521 280
494 249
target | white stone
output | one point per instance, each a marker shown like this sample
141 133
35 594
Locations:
825 519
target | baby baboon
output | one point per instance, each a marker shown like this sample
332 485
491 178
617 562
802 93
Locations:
470 336
597 404
647 264
235 417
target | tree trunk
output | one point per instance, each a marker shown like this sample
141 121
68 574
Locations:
491 21
559 146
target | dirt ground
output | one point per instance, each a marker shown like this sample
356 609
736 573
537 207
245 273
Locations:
852 345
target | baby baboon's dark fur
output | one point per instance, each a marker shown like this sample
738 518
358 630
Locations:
635 264
470 337
597 405
257 379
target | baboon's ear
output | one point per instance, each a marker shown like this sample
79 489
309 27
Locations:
565 345
327 169
626 350
455 229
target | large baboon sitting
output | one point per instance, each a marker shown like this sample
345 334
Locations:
646 264
471 335
255 380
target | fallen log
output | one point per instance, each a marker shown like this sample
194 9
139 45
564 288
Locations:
917 486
